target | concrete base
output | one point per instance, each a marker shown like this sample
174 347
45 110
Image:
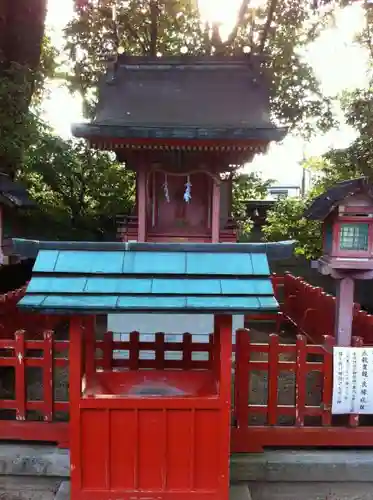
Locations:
237 492
64 491
270 466
312 491
36 472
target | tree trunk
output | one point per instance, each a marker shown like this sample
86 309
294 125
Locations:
267 25
21 38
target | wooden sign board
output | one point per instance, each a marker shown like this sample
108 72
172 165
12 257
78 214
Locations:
352 380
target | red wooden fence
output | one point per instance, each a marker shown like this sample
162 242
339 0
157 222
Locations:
303 417
282 393
313 311
163 353
29 406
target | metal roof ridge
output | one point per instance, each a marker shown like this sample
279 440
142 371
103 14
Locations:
25 245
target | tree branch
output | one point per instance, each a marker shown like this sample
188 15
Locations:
154 13
216 40
267 26
369 37
239 23
134 34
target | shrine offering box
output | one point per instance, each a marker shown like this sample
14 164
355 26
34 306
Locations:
151 428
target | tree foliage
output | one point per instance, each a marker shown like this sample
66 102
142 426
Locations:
20 86
286 222
277 31
246 187
21 74
141 27
78 191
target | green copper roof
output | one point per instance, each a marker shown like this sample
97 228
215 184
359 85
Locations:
140 277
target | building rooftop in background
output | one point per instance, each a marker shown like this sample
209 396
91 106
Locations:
14 194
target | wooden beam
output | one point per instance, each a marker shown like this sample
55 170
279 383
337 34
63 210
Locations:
344 311
215 216
141 204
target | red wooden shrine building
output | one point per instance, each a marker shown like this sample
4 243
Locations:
184 124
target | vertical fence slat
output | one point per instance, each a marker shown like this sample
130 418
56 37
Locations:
107 354
273 374
327 389
134 350
48 389
300 380
187 351
242 379
211 353
20 375
159 351
90 347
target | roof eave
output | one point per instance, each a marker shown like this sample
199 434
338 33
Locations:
275 251
15 202
164 133
325 203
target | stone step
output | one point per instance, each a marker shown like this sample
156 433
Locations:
237 492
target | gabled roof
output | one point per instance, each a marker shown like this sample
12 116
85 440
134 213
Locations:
183 98
14 193
147 277
321 206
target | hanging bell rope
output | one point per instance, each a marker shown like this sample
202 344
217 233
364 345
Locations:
188 190
165 189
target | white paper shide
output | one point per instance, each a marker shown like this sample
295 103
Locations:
352 380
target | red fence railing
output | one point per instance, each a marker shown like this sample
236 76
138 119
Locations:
158 354
283 397
12 318
33 372
313 311
282 393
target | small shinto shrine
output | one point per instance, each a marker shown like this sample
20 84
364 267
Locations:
346 212
144 428
184 125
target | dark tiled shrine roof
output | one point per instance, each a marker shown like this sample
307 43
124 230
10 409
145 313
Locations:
118 277
14 193
183 98
327 201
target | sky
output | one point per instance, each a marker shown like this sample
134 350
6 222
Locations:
338 61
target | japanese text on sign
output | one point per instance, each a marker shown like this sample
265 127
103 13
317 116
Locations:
352 380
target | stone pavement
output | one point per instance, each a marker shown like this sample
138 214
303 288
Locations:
28 488
237 492
42 473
